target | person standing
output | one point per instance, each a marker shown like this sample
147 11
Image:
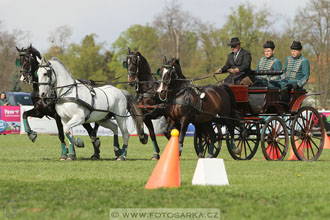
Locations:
238 65
3 99
268 62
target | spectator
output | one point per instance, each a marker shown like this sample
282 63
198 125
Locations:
3 100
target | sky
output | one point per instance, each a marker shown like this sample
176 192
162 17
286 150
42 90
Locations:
109 18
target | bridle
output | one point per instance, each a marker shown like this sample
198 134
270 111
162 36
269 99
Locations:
25 60
51 83
168 82
132 73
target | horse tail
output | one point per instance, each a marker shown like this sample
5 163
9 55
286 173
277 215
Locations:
136 114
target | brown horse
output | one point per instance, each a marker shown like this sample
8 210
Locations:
200 106
140 76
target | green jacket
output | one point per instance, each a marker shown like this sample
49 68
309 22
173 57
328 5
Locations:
296 70
3 102
269 64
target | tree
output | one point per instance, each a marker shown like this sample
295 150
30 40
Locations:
59 38
176 29
9 73
251 26
313 28
86 61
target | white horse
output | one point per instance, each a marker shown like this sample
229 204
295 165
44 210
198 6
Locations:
78 103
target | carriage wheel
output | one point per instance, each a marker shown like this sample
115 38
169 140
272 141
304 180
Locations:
203 140
307 134
274 139
246 141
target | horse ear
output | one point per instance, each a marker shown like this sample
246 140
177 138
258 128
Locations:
135 50
129 51
18 50
39 60
164 60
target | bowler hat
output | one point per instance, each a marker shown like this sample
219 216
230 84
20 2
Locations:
296 45
269 44
234 42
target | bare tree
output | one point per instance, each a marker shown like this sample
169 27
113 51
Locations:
60 37
313 24
176 27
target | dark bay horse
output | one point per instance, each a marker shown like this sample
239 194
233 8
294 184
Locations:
140 76
200 106
27 60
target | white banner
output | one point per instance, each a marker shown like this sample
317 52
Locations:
48 126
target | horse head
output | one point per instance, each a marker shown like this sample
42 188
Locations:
28 62
46 79
169 73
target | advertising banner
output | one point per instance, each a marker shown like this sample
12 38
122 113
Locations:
10 119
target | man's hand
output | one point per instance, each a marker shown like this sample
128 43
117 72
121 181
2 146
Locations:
218 71
233 71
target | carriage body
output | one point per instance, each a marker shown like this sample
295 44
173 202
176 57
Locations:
274 124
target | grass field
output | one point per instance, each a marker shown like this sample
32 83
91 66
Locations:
34 184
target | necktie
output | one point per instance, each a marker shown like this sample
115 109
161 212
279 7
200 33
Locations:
235 56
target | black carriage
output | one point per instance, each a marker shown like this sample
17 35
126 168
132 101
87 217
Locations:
272 122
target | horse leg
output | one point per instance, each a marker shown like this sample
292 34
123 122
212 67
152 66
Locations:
64 154
210 131
125 135
74 121
151 129
198 133
72 151
33 113
231 129
95 140
183 130
114 127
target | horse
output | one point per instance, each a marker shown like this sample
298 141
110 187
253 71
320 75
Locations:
28 63
140 76
76 105
201 106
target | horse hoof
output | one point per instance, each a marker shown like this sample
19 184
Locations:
200 155
236 151
80 143
95 157
71 157
33 136
64 157
155 157
209 156
144 140
121 157
117 151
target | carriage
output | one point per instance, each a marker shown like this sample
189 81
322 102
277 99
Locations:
271 123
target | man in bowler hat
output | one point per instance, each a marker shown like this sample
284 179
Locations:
295 73
238 64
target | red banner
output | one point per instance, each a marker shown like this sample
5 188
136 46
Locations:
10 119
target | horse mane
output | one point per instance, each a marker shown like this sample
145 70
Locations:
63 65
176 63
144 62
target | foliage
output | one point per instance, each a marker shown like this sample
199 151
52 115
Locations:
313 27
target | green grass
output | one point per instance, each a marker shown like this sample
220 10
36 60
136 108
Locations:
39 186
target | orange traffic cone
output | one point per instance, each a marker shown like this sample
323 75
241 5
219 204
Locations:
273 152
167 170
326 141
292 155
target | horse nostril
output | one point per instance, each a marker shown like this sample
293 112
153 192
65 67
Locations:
43 94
